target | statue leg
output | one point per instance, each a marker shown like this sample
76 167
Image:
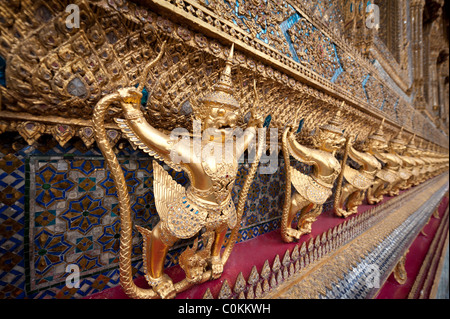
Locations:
382 189
410 182
157 245
216 261
354 200
395 189
307 217
405 185
370 192
298 202
347 191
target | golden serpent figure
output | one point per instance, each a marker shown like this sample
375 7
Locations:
129 99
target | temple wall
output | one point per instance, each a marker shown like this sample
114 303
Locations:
58 203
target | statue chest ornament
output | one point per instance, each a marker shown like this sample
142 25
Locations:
415 171
330 163
363 178
222 175
317 189
404 173
387 175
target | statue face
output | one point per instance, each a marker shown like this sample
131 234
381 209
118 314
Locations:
397 147
220 121
330 141
376 145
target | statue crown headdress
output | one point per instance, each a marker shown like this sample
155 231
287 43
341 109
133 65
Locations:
222 93
398 138
335 123
411 143
378 134
420 147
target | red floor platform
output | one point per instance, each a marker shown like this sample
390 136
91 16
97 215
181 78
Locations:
417 259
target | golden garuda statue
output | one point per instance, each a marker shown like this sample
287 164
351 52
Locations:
413 163
396 147
425 154
388 178
204 205
417 173
358 181
387 175
311 191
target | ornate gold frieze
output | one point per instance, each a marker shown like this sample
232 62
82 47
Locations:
126 33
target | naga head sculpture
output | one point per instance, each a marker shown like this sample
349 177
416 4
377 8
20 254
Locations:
131 96
193 262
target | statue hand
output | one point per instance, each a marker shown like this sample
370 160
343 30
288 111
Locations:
130 99
256 120
292 128
351 138
291 131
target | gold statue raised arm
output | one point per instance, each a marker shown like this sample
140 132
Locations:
205 204
311 191
358 181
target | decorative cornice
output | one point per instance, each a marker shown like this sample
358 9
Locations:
368 98
201 18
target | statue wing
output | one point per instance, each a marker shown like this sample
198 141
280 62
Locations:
387 175
134 139
357 179
165 189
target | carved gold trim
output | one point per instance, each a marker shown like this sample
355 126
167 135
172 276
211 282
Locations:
22 116
294 77
213 26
